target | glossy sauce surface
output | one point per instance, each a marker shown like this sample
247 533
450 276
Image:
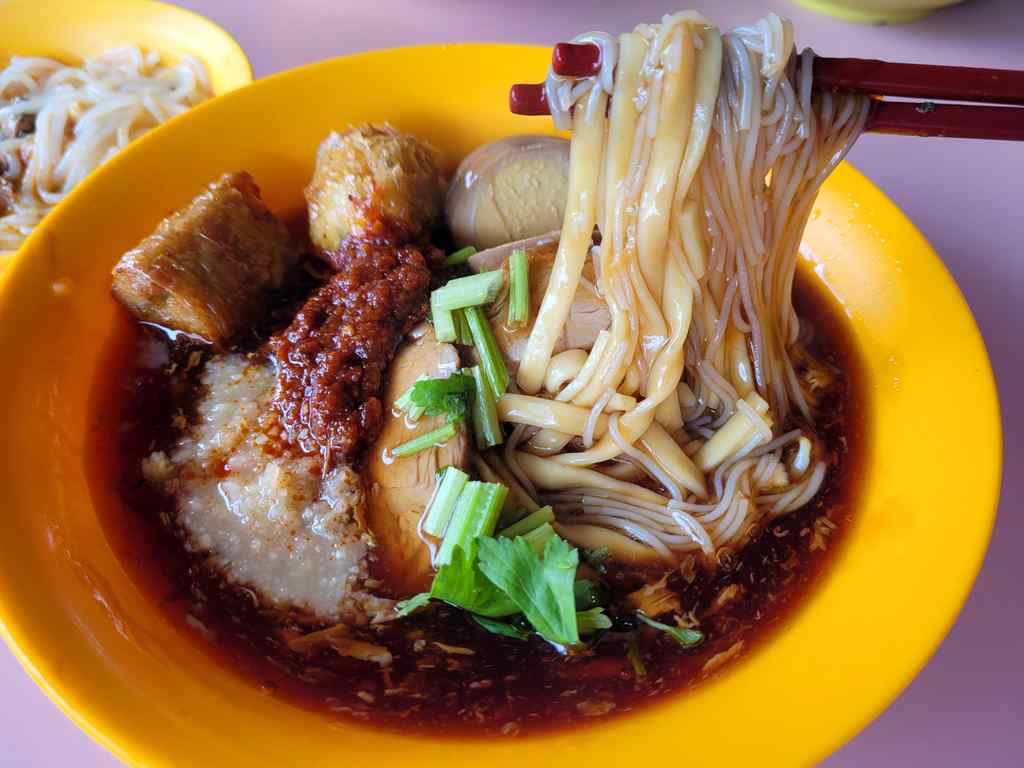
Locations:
333 357
448 676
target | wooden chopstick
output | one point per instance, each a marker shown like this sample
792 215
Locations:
920 81
877 78
952 121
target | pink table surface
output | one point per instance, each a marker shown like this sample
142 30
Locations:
967 706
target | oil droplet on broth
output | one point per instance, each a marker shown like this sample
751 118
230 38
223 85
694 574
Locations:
61 286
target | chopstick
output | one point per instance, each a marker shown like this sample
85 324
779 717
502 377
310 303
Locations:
920 81
877 78
951 121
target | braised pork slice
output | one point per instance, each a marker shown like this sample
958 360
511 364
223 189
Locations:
207 268
588 315
398 490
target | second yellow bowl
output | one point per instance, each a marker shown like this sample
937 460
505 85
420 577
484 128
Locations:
72 30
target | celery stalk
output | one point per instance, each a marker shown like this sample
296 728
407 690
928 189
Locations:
427 440
488 351
457 534
485 411
518 288
444 323
446 494
471 291
486 519
539 537
460 256
528 523
405 403
462 332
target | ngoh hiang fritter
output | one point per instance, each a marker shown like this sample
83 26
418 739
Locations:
527 454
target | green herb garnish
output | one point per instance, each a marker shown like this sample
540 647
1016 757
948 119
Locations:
471 291
427 440
462 333
688 638
542 588
413 604
518 288
587 594
487 350
460 256
530 522
486 426
461 583
442 503
500 627
475 515
435 397
592 620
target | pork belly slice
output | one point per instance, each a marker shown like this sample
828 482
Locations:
207 269
264 517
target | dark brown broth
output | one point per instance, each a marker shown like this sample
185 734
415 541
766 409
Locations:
506 686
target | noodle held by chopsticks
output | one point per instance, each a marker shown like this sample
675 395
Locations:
700 178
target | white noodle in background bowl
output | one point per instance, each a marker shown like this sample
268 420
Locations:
80 81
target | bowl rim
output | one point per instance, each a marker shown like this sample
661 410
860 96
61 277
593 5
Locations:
989 496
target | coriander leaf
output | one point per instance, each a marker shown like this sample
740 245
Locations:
542 588
501 627
460 583
454 405
592 620
587 594
414 603
688 638
443 396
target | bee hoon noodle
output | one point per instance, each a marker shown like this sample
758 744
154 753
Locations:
59 122
697 156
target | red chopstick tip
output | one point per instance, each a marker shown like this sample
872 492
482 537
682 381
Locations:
528 99
576 59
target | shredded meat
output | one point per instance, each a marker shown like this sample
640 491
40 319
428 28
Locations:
332 358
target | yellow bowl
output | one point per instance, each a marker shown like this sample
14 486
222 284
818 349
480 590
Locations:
71 30
877 11
94 642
